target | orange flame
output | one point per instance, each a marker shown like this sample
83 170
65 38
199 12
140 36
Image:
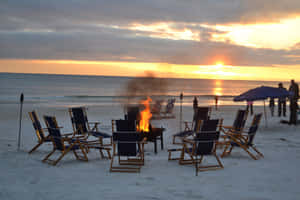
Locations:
145 116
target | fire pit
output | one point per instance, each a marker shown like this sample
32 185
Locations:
153 135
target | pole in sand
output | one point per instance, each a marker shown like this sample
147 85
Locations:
20 120
180 121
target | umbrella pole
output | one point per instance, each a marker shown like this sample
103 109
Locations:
265 114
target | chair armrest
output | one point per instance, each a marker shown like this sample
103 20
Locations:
227 127
95 123
67 134
190 141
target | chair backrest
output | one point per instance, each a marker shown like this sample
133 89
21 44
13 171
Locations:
79 120
126 142
207 135
210 125
37 125
126 125
202 113
253 128
240 120
205 142
156 108
54 132
133 113
170 106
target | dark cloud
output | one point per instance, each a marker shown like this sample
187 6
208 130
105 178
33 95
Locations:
86 30
44 13
113 46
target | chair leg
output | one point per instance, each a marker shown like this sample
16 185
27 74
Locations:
225 152
219 161
83 151
258 152
61 156
47 157
211 167
35 147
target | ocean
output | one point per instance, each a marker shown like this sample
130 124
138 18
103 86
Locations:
72 90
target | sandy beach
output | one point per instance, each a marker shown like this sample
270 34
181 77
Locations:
24 176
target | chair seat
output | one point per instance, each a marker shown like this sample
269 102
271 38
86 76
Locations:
74 147
184 133
99 134
47 140
81 141
237 145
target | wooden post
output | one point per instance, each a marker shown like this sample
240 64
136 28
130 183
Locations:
265 113
180 121
20 120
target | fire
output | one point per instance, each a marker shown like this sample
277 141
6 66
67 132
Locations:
145 116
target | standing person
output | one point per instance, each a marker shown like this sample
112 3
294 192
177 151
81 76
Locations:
294 89
250 106
272 105
281 103
195 104
216 101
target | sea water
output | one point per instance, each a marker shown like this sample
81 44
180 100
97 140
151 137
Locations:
74 90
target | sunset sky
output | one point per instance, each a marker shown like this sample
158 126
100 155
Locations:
244 39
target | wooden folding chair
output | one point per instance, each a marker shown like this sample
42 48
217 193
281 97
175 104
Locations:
244 141
211 126
128 147
74 143
81 125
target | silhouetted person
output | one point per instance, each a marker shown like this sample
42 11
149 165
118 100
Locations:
250 106
281 103
294 89
272 106
195 104
216 101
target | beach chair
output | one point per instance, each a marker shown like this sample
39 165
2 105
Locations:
238 124
168 113
81 125
74 143
245 141
237 127
156 109
203 143
38 130
201 113
128 145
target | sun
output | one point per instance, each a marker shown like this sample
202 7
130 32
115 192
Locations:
219 64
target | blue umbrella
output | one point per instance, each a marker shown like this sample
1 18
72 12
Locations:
262 93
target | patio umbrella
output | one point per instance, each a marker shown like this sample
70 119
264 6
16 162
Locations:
262 93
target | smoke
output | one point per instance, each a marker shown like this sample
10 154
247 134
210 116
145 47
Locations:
143 87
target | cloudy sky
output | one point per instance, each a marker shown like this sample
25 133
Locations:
219 39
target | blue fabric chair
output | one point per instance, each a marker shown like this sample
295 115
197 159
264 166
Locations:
244 141
129 144
74 143
39 131
81 125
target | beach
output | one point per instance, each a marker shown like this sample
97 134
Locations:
25 176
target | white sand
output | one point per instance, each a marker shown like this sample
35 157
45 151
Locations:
24 176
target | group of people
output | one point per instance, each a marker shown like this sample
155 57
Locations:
293 99
294 89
